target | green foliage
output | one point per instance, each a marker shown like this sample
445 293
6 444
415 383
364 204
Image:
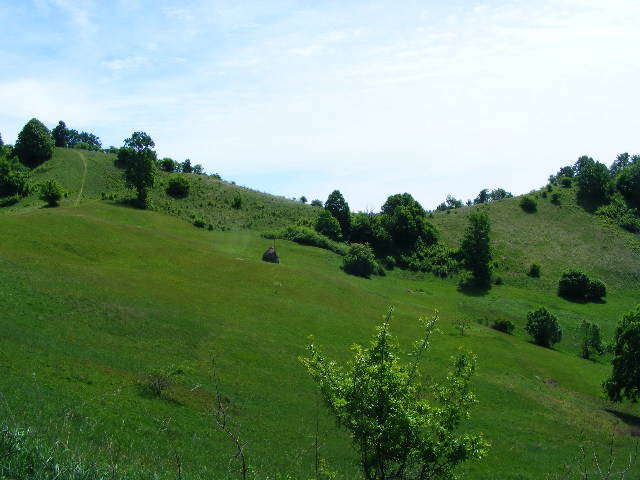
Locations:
528 204
360 260
185 167
140 164
476 248
339 208
178 187
51 192
328 225
450 203
60 134
316 203
437 259
303 199
307 236
577 285
593 180
199 222
168 165
397 432
14 178
406 222
628 184
90 141
543 326
483 197
590 339
618 212
157 381
505 326
555 198
534 270
566 182
620 163
35 144
624 381
368 228
236 201
86 146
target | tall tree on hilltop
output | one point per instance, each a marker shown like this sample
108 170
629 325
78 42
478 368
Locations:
339 208
60 134
476 248
140 162
35 144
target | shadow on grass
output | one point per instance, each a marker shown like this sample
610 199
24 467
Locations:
632 421
583 301
473 290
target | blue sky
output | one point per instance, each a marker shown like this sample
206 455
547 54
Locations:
303 97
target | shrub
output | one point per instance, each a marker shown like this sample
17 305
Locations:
566 182
549 188
360 260
590 341
236 202
543 327
178 187
534 270
625 377
307 236
577 285
51 192
499 281
505 326
328 225
628 184
476 249
35 144
596 289
157 380
528 204
544 194
14 178
199 222
555 198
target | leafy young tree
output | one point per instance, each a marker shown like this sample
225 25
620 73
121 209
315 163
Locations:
316 203
185 167
140 161
476 248
60 134
593 180
339 208
543 326
590 339
406 222
168 165
360 260
624 381
328 225
35 144
398 433
619 164
303 199
499 194
628 184
483 197
198 169
51 192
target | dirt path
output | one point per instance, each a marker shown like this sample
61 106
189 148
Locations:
84 177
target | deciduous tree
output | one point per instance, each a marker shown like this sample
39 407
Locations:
625 378
35 144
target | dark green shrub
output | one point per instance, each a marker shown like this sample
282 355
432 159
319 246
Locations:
51 192
549 188
543 327
544 194
8 201
199 222
528 204
307 236
360 260
566 182
178 187
534 270
505 326
35 144
590 339
596 290
499 281
328 225
621 214
555 198
237 201
476 250
573 284
625 377
628 184
14 178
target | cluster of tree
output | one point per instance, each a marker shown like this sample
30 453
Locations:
170 165
616 190
485 196
577 285
71 138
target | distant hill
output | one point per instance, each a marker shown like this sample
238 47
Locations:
96 296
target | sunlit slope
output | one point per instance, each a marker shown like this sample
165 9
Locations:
95 295
90 176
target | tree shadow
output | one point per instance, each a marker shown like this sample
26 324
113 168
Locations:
628 419
473 290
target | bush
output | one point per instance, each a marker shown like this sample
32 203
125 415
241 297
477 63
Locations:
307 236
199 222
534 270
555 198
360 261
14 179
543 327
577 285
566 182
499 281
590 341
528 204
157 380
51 192
178 187
505 326
237 201
35 144
328 225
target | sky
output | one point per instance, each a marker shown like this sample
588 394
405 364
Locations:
302 97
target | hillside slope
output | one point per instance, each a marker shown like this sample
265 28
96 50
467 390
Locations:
95 294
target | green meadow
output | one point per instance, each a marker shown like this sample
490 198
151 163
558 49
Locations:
96 293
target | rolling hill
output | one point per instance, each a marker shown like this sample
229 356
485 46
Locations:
96 295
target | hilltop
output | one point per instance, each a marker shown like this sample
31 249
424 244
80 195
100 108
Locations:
96 294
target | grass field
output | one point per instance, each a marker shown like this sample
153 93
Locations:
95 294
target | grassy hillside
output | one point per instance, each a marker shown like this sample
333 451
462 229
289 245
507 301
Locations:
96 293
